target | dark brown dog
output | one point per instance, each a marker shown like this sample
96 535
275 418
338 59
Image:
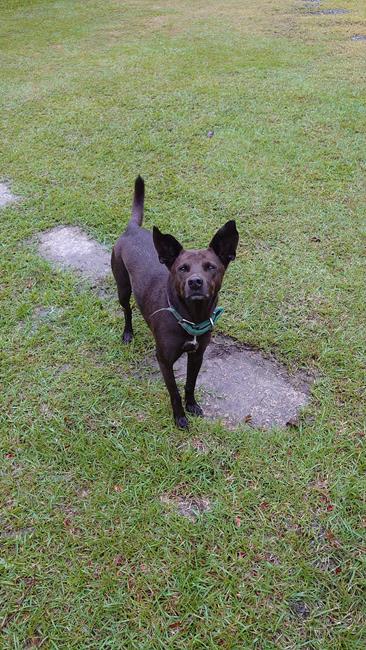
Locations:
174 289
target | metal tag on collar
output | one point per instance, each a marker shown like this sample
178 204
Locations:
191 346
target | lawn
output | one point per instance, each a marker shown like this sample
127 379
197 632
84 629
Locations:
94 553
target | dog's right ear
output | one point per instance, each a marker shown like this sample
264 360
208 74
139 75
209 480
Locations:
167 247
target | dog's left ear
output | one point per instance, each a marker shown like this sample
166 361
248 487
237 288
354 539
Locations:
167 247
225 241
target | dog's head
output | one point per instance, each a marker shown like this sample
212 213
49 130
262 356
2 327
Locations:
197 274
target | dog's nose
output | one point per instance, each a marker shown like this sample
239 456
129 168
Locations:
195 282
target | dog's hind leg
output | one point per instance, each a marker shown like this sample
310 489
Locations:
124 294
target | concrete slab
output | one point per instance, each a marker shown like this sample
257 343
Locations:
326 12
6 196
69 247
239 385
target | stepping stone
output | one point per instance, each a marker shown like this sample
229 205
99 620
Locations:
6 196
239 385
69 247
358 37
329 11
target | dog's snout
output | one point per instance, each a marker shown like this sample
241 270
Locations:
195 282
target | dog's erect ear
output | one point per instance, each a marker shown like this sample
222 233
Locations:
167 247
225 241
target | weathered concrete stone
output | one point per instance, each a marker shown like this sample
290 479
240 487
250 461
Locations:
69 247
326 12
6 196
240 385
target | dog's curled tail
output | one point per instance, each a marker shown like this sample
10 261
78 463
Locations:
138 202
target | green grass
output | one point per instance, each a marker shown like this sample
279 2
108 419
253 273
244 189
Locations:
91 94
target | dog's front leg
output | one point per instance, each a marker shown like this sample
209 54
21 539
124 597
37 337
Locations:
194 363
175 398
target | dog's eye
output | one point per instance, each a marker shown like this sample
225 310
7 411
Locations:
211 267
184 268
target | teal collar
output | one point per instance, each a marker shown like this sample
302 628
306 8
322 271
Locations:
194 329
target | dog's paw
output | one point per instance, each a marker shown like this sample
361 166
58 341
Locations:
194 409
181 422
127 337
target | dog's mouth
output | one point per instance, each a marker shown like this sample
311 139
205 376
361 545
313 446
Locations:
196 297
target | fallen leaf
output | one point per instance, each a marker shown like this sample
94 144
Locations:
30 581
175 624
331 538
175 627
264 505
34 642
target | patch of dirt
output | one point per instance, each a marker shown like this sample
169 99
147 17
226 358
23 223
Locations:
158 22
6 196
41 315
199 446
83 492
187 506
47 313
46 412
69 247
107 291
60 370
300 608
